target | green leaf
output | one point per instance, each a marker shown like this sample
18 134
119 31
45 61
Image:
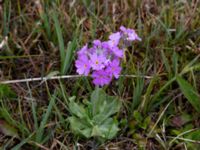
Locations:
6 91
195 135
108 108
138 117
97 99
97 132
77 110
93 119
103 106
146 123
189 92
109 128
80 127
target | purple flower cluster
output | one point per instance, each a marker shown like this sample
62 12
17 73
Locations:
103 59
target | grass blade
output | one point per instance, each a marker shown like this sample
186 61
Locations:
189 92
40 131
166 62
71 47
60 40
137 93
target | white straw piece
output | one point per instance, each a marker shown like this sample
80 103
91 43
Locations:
39 79
61 77
3 43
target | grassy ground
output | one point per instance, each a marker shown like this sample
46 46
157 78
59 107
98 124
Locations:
160 107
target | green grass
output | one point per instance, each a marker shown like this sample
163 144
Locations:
161 112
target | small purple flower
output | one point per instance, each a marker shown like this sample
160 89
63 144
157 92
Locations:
83 65
97 61
97 43
123 29
117 52
103 58
114 39
129 34
83 50
99 48
114 68
106 48
101 77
